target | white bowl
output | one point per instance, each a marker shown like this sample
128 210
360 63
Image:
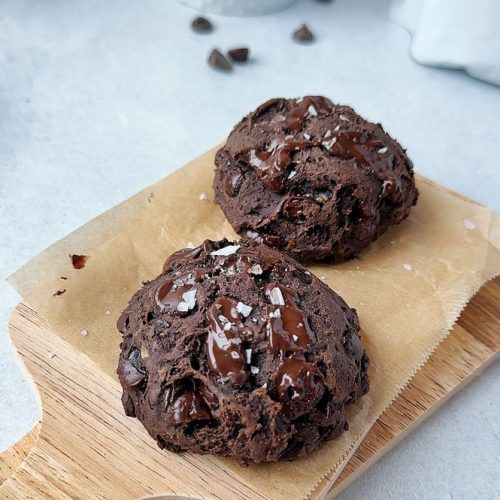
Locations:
237 7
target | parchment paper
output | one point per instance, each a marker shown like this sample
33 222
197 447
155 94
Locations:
408 288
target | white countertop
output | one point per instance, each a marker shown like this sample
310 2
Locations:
100 99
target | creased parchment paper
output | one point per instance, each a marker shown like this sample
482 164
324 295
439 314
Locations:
408 288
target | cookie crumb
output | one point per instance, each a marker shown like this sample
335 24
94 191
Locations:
78 261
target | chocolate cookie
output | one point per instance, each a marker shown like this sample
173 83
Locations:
313 179
238 350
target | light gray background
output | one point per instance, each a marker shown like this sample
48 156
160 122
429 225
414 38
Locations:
100 99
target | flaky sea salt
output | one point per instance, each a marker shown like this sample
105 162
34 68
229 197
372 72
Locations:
468 224
203 196
243 309
256 269
248 355
276 297
311 110
408 267
383 150
189 244
189 301
229 250
327 134
337 128
307 136
254 370
292 174
108 313
330 143
84 333
344 118
51 355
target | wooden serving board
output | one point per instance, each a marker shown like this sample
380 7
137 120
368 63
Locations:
85 447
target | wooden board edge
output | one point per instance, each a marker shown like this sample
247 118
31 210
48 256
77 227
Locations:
12 458
336 489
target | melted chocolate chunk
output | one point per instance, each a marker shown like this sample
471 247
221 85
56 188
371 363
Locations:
184 255
123 322
288 329
299 385
243 374
296 207
179 293
233 183
225 351
270 165
188 406
310 147
130 375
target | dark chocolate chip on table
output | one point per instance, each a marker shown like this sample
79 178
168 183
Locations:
239 54
201 25
303 34
217 60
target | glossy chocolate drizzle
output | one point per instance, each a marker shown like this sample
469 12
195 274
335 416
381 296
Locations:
288 329
226 355
298 383
273 163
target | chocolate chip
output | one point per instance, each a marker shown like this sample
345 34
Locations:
217 60
201 25
303 34
239 55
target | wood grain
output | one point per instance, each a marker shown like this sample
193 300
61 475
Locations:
87 448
